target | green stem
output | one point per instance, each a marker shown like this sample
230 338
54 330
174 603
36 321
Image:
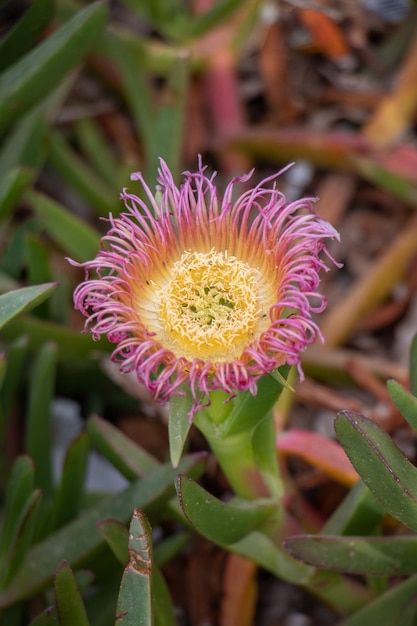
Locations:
248 458
236 458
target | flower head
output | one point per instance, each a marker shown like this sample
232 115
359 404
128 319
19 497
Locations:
194 288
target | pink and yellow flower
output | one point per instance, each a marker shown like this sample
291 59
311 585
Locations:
197 289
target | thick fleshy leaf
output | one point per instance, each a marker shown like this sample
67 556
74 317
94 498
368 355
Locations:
16 302
164 613
116 536
98 150
12 186
74 236
19 517
169 121
124 454
79 541
39 269
19 490
219 522
69 603
136 88
25 145
71 345
248 410
80 177
25 33
29 80
373 556
359 513
261 549
13 259
22 537
405 402
134 605
16 354
138 586
70 492
38 433
396 606
381 465
83 579
37 253
179 424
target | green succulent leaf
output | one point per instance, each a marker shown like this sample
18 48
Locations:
358 514
405 402
25 145
248 410
12 186
16 354
19 490
71 345
136 88
22 538
381 465
98 150
69 603
70 492
219 522
144 597
169 121
124 454
19 517
179 423
396 606
38 442
261 549
134 605
20 39
19 301
163 607
80 177
30 79
373 556
79 542
37 254
75 237
116 536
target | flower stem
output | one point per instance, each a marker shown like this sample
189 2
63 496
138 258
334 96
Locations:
248 457
236 458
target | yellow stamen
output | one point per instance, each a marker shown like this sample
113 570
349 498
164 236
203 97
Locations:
210 308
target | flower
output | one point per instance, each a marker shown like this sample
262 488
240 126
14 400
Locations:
210 292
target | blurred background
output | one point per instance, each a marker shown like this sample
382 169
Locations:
91 92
